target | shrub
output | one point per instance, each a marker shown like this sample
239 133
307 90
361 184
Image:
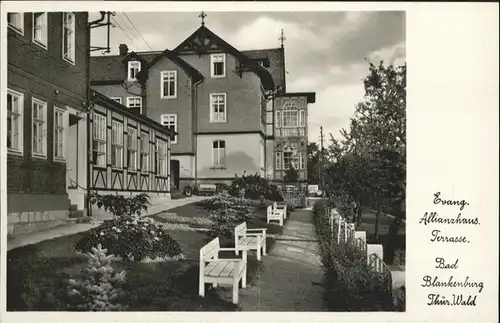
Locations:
291 175
226 212
99 287
400 299
350 283
255 188
131 239
119 205
127 235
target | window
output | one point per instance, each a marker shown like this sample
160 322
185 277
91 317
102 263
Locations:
302 118
60 126
39 121
134 67
170 121
99 140
301 160
15 105
132 148
290 116
69 37
219 153
288 160
40 29
168 84
278 159
117 144
262 154
218 107
218 65
161 157
117 99
135 102
144 152
278 119
15 20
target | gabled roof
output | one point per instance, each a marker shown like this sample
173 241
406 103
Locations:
203 40
112 68
106 102
276 63
190 70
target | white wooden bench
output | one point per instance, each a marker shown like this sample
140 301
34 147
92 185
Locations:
280 208
272 215
207 189
250 239
221 271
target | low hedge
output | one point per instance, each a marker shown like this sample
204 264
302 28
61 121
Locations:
350 284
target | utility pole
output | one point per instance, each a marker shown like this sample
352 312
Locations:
320 160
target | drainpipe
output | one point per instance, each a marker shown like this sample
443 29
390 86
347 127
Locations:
89 111
195 122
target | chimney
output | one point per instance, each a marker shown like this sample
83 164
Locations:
123 49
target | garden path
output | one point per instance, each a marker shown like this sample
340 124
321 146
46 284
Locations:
36 237
291 273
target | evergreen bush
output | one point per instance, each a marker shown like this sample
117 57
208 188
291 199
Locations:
256 188
99 288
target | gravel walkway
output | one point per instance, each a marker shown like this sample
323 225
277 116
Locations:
291 273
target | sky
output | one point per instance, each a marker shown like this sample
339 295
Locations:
325 52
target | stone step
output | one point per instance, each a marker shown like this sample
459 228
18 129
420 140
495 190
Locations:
83 219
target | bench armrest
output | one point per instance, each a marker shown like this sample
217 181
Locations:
227 249
254 234
263 229
224 260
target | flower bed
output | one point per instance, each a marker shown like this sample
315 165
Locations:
131 239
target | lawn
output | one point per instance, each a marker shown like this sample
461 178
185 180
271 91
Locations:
37 275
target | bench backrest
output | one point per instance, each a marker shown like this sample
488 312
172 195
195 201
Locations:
207 187
240 229
210 250
270 210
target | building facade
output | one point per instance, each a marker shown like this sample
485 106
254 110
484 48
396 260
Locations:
130 152
56 154
46 99
222 102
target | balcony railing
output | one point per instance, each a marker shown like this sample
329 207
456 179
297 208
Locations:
290 132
